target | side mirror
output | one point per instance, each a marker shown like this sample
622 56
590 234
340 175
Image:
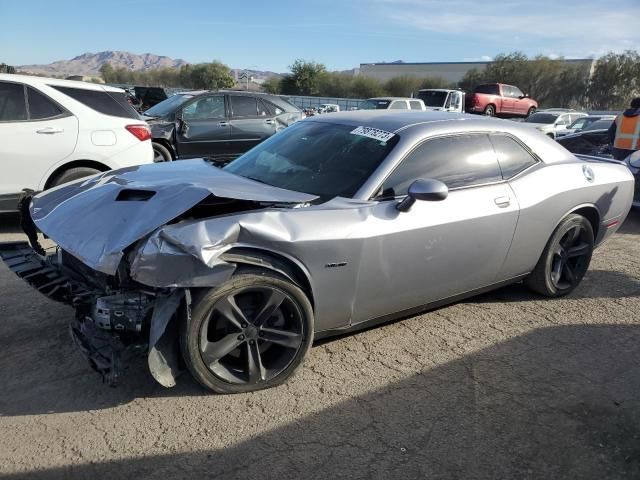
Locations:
427 189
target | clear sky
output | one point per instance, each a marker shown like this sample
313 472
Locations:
269 35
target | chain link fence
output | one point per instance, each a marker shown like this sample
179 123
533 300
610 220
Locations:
345 104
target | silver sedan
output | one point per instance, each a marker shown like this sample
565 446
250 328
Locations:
336 223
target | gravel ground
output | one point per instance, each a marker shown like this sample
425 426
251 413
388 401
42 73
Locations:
505 385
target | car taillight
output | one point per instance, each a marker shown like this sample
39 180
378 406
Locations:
141 132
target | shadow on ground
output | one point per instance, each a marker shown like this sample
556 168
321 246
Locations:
559 402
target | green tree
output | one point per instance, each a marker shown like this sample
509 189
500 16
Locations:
211 76
272 85
615 81
306 77
366 87
107 72
402 86
4 68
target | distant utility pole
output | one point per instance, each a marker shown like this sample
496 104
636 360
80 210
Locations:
246 75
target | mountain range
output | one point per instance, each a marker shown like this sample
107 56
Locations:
89 64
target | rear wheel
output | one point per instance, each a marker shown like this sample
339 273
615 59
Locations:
161 153
490 111
565 259
73 174
531 111
250 333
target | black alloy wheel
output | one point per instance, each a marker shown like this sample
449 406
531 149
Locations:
250 333
570 258
565 259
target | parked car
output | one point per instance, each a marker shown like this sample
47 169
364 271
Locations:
216 125
550 122
328 108
591 141
55 131
437 99
330 226
590 122
497 99
393 103
633 162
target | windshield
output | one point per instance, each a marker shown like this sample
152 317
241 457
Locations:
542 118
599 124
168 106
375 105
433 99
324 159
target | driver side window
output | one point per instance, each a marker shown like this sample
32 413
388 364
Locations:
458 161
205 108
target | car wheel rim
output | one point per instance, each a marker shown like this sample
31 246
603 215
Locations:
157 156
251 335
571 258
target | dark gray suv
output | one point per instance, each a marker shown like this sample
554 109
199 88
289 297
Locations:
218 125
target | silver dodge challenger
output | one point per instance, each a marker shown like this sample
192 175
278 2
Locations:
336 223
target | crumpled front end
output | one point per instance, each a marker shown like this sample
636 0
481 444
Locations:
127 283
113 321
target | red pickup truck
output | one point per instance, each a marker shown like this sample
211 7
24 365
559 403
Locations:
499 99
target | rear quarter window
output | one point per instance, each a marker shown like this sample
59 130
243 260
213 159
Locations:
281 103
512 157
40 106
114 104
13 105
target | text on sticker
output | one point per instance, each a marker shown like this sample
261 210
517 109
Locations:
373 133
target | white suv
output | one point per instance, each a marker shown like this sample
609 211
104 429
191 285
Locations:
55 131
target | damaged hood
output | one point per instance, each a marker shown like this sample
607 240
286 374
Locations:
97 218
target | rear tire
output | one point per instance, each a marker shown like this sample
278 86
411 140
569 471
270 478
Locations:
531 111
250 333
490 111
73 174
565 259
161 153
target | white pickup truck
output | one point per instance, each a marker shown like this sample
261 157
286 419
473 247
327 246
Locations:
442 99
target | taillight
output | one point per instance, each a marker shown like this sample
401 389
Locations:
141 132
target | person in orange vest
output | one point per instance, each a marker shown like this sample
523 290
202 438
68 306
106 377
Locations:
624 134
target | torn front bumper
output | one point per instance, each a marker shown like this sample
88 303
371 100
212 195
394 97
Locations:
111 325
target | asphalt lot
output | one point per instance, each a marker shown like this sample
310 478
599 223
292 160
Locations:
505 385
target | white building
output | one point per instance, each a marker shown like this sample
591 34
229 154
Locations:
451 71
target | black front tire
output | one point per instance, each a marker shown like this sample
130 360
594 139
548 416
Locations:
226 374
565 258
73 174
161 153
531 111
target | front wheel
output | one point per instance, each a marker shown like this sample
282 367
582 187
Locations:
565 259
251 332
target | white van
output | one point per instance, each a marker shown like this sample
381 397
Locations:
55 131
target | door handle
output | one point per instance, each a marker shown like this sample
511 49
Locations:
50 130
503 201
223 124
269 121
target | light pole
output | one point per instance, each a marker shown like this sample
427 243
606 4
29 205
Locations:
247 74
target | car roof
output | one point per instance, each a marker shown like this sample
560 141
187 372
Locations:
396 120
36 81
